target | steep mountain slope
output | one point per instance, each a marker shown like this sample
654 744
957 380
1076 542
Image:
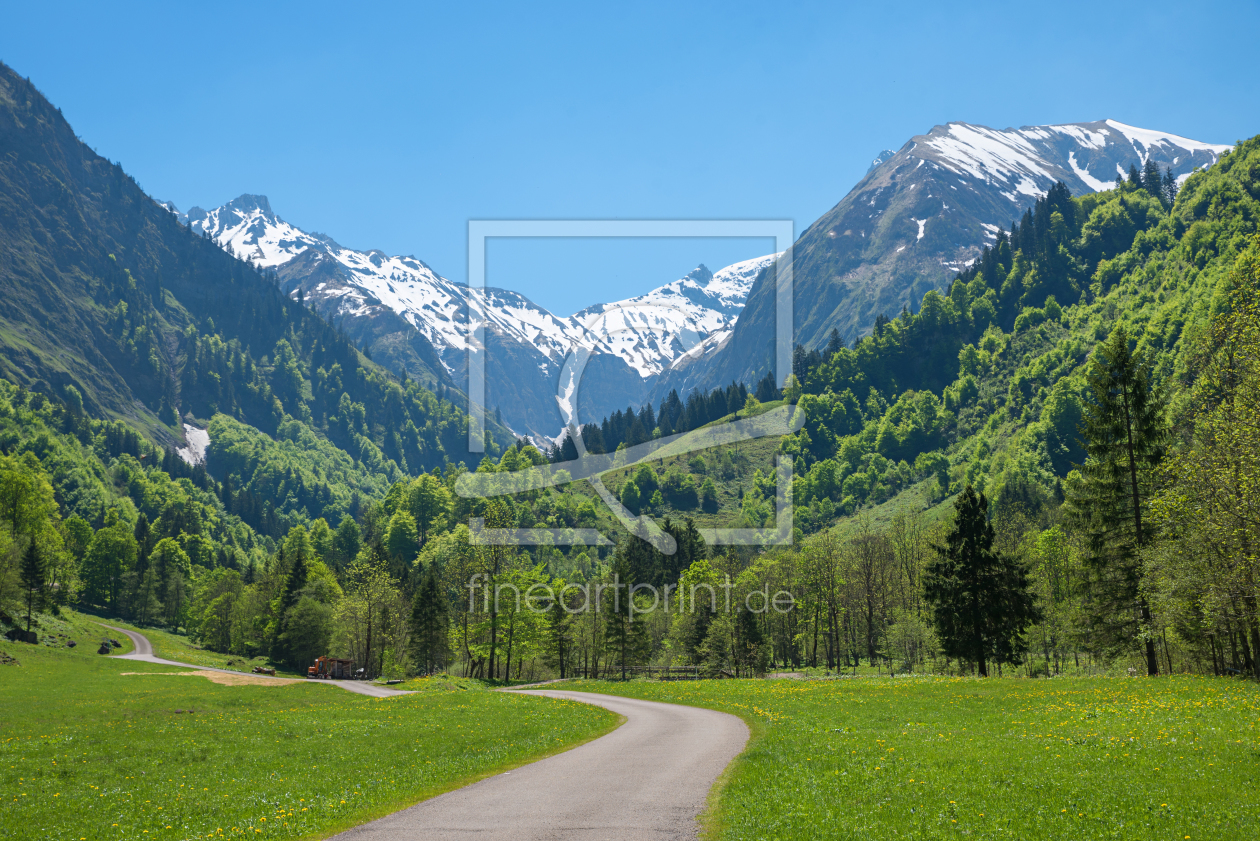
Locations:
921 215
109 304
411 319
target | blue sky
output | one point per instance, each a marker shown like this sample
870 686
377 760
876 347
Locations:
390 127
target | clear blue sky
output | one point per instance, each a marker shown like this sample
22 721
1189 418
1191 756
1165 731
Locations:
390 126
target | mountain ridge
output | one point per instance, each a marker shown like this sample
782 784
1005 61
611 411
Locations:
917 218
905 228
415 321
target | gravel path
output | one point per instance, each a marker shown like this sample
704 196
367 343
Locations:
144 654
648 779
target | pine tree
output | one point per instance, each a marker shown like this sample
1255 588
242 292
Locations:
625 639
1125 434
1152 180
1170 187
751 652
834 343
144 540
34 574
980 598
698 631
429 624
559 627
297 552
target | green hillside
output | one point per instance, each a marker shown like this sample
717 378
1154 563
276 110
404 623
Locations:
111 304
986 385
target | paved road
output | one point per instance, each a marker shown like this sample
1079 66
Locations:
648 779
144 653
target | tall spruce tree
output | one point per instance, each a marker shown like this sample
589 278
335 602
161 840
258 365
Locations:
625 639
429 624
750 652
980 598
1125 435
1152 179
296 552
1170 186
34 575
559 629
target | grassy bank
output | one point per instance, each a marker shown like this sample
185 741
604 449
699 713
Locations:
88 752
926 758
178 647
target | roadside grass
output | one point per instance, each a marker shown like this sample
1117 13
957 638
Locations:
87 752
441 683
928 758
172 646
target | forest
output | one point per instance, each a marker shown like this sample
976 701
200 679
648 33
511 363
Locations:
1071 428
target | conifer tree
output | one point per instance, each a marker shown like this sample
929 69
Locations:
34 575
297 552
980 598
144 543
1125 434
429 624
751 650
834 343
1170 187
1152 180
559 627
625 639
698 631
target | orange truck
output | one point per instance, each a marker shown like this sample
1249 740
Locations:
331 668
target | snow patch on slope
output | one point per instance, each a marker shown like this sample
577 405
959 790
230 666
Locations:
988 154
1084 175
1143 139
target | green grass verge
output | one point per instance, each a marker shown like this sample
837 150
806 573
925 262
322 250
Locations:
87 752
929 758
170 646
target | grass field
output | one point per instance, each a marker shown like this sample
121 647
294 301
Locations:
926 758
87 752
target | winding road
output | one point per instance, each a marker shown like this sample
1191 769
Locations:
144 654
648 779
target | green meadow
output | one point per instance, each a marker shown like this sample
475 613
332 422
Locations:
88 752
927 758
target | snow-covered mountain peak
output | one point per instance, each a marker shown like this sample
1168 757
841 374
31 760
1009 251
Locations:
1023 163
646 333
730 286
653 330
700 275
